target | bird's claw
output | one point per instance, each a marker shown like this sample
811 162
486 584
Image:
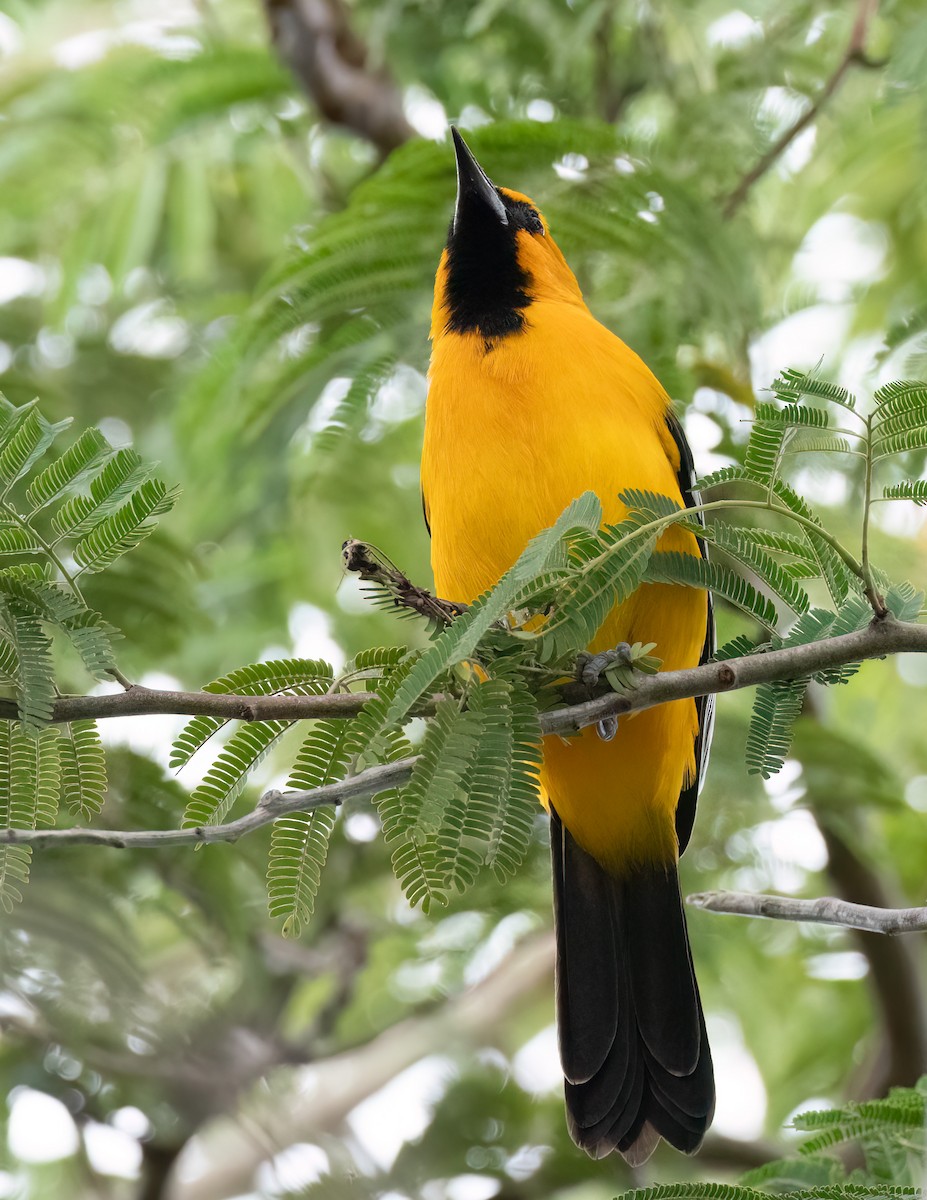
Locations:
607 728
590 667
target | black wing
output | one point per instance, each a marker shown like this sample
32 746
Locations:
704 705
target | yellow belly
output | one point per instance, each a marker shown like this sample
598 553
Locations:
511 437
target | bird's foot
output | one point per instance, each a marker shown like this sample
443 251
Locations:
591 667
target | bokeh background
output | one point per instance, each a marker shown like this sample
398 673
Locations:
218 229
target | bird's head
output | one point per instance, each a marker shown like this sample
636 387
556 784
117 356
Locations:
499 259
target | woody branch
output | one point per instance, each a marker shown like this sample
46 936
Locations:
878 639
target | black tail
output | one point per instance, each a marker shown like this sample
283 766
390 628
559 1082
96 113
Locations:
632 1035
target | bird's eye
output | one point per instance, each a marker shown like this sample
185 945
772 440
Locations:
534 223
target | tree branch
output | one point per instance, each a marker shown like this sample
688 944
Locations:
854 54
877 639
826 911
314 38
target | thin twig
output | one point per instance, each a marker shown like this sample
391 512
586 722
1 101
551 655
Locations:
827 910
878 639
853 55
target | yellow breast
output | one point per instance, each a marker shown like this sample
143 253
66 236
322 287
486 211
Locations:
512 435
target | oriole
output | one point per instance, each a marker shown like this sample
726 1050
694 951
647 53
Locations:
531 402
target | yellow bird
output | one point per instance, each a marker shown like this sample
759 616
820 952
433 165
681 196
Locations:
531 402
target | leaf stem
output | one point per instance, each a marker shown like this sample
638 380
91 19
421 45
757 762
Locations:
873 595
683 514
11 512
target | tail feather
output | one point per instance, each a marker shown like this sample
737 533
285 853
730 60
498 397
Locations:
632 1033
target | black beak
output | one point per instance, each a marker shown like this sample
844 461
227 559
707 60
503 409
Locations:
473 184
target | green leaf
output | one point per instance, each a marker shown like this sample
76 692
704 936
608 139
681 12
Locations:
515 812
120 476
126 527
9 663
792 415
92 638
212 799
733 474
909 419
764 451
83 768
900 396
900 443
299 841
904 600
430 855
14 860
831 443
792 385
776 708
791 544
14 539
834 571
737 647
351 412
69 470
583 600
907 489
35 674
271 678
650 505
29 788
741 546
24 438
693 571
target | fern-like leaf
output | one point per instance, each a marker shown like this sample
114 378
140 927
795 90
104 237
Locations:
29 789
351 411
212 798
14 539
256 679
740 545
764 451
299 841
25 435
687 569
516 812
119 477
900 443
737 647
83 768
585 599
126 527
901 395
792 415
907 489
833 569
776 708
14 860
792 385
430 855
732 474
69 469
35 675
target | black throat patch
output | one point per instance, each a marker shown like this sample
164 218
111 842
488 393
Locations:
487 289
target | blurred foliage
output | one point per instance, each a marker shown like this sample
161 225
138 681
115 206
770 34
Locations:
171 202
